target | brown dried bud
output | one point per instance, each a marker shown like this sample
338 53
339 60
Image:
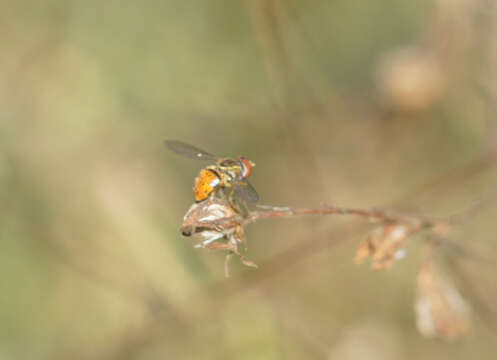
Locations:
220 226
441 311
410 79
385 245
212 219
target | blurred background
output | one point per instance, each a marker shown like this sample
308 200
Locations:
388 104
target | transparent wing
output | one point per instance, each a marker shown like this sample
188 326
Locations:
189 151
245 191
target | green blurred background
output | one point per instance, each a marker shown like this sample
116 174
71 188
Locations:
352 103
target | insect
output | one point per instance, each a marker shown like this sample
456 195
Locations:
228 175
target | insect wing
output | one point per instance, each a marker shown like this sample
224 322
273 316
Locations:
189 151
245 191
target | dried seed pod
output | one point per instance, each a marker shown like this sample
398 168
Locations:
385 245
220 226
212 219
441 311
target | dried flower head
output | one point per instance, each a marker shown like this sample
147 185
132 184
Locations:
440 309
385 245
220 227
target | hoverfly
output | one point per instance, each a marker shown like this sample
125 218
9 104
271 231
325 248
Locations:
228 175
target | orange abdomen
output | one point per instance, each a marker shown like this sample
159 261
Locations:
205 183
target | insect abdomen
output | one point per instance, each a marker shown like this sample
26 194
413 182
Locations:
205 183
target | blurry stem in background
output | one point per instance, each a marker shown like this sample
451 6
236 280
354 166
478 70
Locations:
482 304
485 93
263 15
49 40
270 19
451 178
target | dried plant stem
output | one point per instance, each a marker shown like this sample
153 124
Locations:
371 214
414 223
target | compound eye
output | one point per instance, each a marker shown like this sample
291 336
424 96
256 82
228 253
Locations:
246 166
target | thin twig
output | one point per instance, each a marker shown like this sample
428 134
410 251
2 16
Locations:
414 222
371 214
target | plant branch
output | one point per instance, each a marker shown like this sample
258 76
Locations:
370 214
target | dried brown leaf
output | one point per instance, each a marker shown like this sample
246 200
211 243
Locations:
364 251
441 311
